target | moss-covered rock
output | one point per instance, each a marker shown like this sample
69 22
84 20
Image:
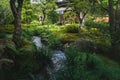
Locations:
84 45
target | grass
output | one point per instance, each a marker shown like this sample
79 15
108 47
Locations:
64 37
108 61
67 37
59 32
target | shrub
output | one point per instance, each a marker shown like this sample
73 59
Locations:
52 16
34 23
71 28
100 38
59 23
85 66
99 25
8 29
99 33
69 17
27 61
48 38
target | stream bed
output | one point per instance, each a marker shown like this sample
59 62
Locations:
58 59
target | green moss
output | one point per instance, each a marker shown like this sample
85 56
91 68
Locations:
66 37
71 28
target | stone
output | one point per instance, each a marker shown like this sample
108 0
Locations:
84 45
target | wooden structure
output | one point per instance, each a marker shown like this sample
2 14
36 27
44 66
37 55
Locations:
63 3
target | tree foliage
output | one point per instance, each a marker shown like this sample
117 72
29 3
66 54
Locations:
45 7
5 12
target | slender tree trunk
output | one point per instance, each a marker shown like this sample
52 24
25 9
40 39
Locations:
111 22
44 16
81 17
16 7
79 21
80 25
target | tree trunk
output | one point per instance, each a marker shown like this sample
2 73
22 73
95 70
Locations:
117 23
114 21
44 16
81 17
16 10
80 25
111 21
79 21
117 28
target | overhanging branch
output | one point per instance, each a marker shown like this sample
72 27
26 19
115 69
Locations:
101 4
13 7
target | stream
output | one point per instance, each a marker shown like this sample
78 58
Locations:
58 58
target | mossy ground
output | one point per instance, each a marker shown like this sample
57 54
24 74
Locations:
52 34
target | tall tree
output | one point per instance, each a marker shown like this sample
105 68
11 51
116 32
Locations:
16 7
117 23
118 15
46 6
111 20
113 9
81 8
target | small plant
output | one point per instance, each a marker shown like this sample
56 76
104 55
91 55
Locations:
71 28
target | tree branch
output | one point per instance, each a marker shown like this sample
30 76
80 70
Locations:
20 3
84 14
13 7
101 4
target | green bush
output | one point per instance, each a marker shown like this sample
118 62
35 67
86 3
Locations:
99 33
53 16
99 25
85 66
34 23
28 15
71 28
100 38
8 29
48 38
59 23
27 60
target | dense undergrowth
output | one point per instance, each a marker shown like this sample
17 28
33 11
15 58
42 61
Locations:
80 65
85 66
